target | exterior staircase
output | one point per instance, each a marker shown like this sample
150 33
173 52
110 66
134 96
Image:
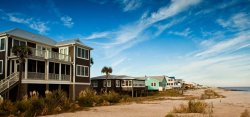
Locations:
8 82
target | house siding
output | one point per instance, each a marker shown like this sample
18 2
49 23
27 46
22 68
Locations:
148 84
80 61
2 57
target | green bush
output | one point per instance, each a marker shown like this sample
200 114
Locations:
210 94
22 105
35 108
88 98
245 113
7 107
56 102
111 97
192 107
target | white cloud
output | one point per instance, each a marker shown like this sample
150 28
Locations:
239 21
118 62
183 33
225 61
18 20
32 23
67 21
39 26
163 27
98 35
129 35
227 45
130 5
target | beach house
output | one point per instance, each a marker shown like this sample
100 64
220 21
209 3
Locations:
162 82
151 84
53 64
119 83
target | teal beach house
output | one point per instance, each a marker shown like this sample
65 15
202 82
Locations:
152 84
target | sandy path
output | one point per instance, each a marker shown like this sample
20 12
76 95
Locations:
231 106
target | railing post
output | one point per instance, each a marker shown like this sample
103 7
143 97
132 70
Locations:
60 74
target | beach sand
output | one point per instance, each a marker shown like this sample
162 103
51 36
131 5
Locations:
231 106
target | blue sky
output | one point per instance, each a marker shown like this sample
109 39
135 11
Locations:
199 41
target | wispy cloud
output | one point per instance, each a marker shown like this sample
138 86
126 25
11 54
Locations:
130 5
239 21
163 27
32 23
183 33
119 61
129 35
226 45
67 21
97 35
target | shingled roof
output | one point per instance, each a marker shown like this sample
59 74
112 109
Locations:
40 38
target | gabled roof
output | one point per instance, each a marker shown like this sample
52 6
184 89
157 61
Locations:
159 78
40 38
72 41
30 36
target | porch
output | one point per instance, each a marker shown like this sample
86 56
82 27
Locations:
43 70
47 54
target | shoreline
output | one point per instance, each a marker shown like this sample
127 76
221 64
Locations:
235 89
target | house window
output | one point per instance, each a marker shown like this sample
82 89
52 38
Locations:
117 83
109 83
2 43
82 53
153 84
19 43
82 71
126 83
1 66
95 84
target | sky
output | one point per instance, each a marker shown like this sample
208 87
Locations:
202 41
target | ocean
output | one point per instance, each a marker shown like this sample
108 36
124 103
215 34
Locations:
245 89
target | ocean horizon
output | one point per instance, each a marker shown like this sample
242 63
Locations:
245 89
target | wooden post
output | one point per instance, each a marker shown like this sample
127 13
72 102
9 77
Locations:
132 89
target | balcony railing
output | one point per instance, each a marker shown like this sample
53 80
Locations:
46 54
53 76
65 77
36 76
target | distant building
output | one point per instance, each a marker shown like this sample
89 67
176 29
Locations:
152 84
162 82
118 83
170 82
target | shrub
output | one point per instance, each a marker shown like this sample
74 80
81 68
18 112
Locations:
196 106
7 107
245 113
111 97
210 94
125 98
192 107
22 105
88 98
35 108
55 102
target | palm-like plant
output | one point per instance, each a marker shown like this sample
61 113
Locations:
107 71
21 52
91 61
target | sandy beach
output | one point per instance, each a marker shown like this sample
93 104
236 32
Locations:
232 105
